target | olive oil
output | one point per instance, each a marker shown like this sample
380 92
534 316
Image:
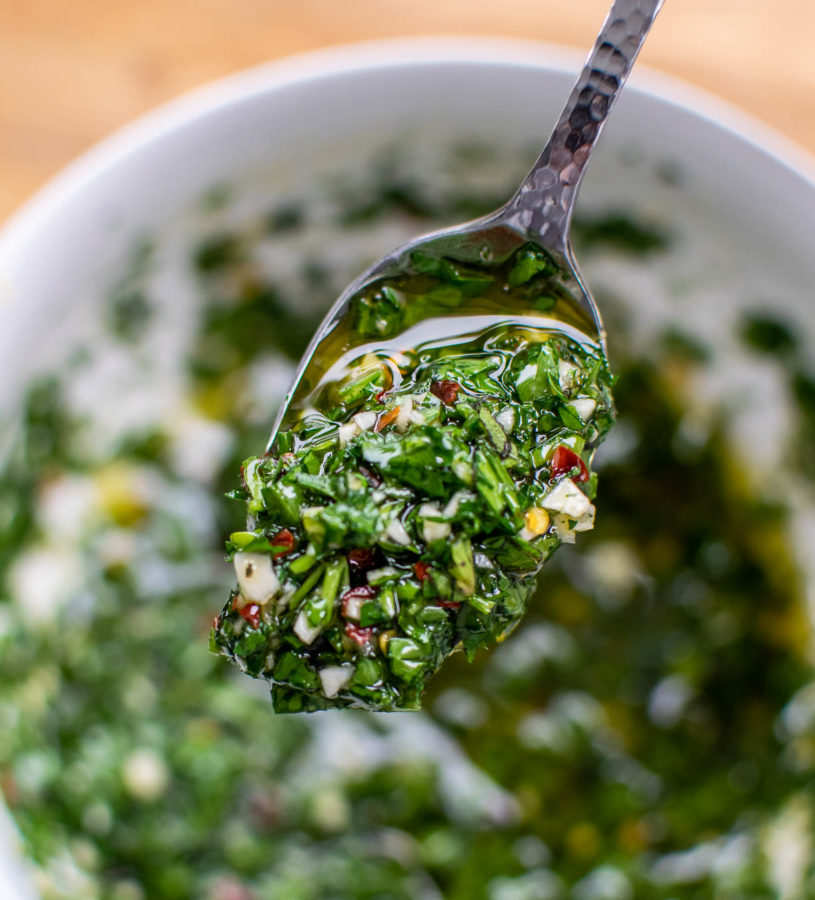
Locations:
438 308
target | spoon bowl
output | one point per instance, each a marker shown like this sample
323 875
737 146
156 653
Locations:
538 215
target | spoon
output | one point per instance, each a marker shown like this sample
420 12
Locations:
539 213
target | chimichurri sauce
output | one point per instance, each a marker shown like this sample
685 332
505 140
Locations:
437 460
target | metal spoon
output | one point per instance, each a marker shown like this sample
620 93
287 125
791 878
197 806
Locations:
540 212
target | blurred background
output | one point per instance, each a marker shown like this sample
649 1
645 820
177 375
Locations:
70 73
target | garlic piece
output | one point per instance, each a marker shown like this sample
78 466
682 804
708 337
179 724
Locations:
455 501
365 420
564 532
432 531
307 633
404 416
352 606
584 407
347 431
585 523
567 375
482 561
407 415
463 470
374 576
257 579
573 510
334 679
566 497
506 419
396 532
568 527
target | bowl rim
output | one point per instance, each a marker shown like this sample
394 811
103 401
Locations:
391 53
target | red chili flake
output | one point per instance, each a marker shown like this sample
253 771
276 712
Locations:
446 391
361 636
243 477
564 459
381 395
361 559
251 613
386 418
283 542
449 604
352 600
421 570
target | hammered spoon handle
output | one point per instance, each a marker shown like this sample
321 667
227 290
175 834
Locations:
544 202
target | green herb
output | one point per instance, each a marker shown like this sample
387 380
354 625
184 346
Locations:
769 335
285 219
423 479
130 313
680 344
217 252
619 231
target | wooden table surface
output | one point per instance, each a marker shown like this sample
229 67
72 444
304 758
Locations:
71 71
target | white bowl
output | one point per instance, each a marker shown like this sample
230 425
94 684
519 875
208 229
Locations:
747 195
53 249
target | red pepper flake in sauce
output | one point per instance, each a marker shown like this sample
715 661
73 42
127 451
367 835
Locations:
446 391
381 395
351 601
250 613
361 636
449 604
386 418
283 542
361 559
421 570
564 460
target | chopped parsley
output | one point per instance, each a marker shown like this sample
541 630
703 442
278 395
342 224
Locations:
405 514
